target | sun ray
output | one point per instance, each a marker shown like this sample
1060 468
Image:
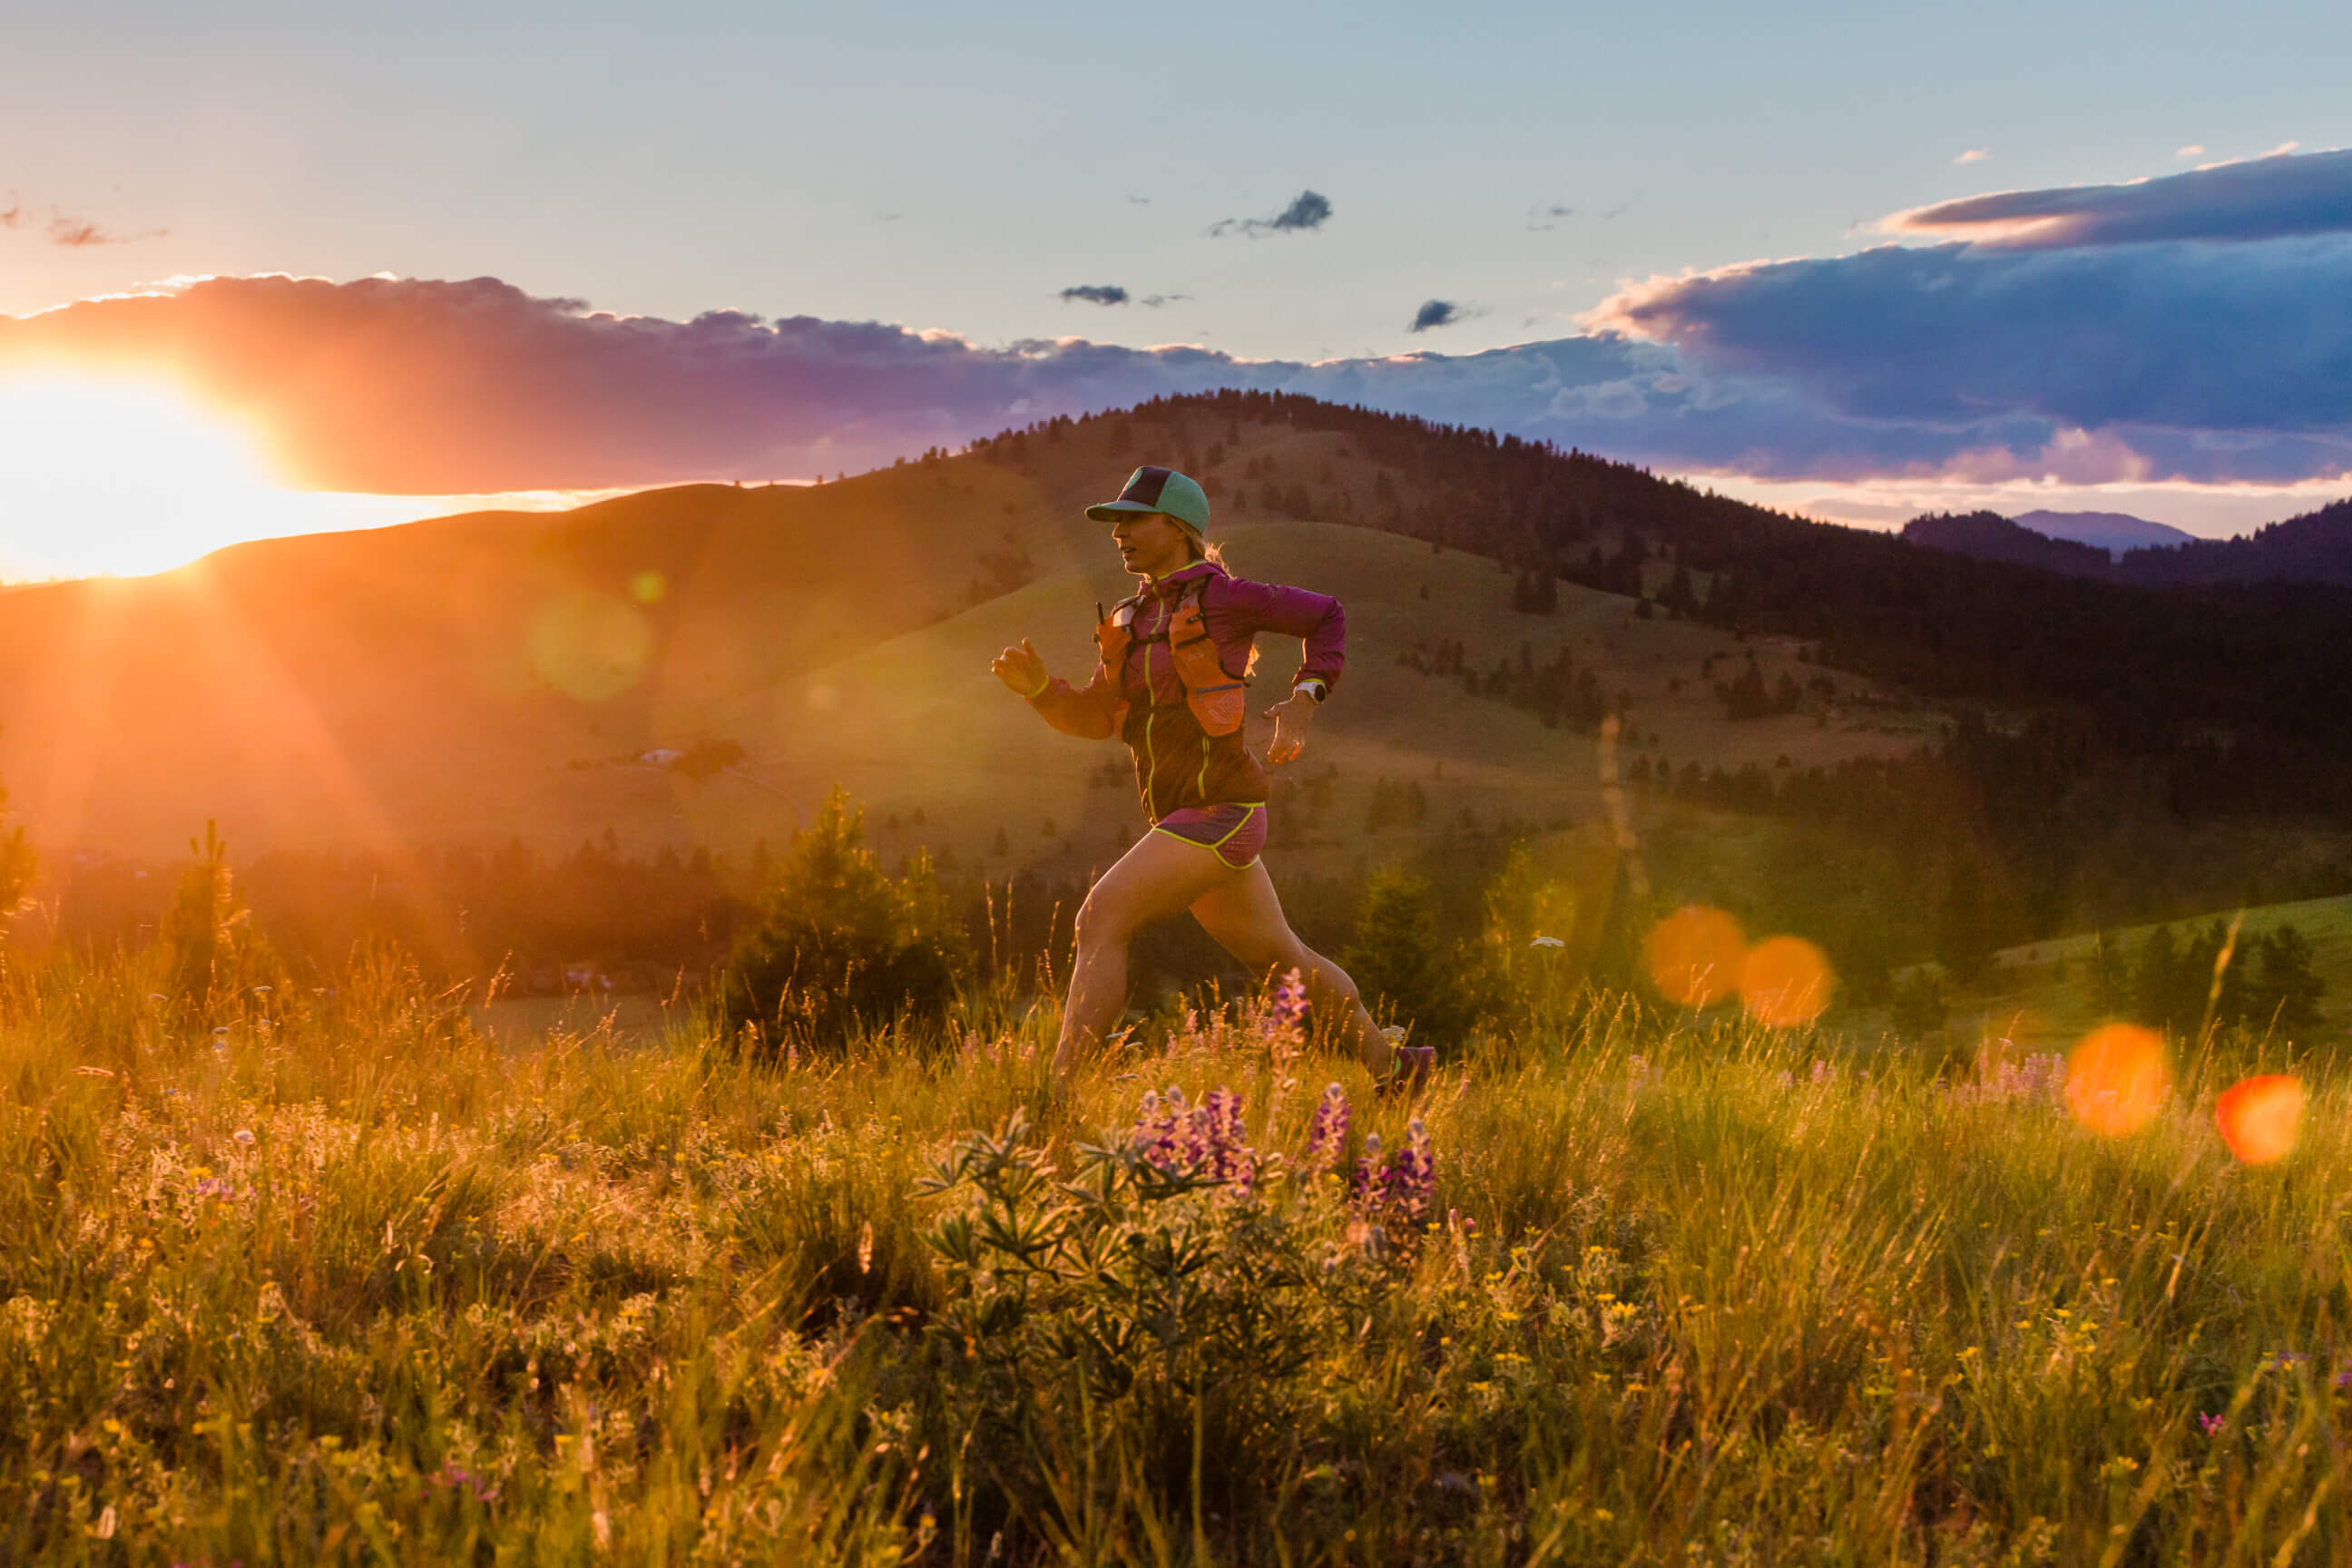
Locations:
109 475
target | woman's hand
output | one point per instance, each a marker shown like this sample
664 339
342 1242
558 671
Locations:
1291 719
1021 668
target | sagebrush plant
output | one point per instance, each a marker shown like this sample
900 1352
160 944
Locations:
349 1283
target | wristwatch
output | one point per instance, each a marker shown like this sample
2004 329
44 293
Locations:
1312 688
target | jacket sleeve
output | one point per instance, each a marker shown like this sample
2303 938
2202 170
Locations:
1091 713
1316 620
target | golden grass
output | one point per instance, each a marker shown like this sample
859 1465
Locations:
357 1285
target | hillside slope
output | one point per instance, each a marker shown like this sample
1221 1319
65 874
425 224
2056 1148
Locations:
917 723
475 678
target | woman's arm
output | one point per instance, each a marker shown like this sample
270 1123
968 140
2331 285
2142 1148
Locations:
1316 620
1091 714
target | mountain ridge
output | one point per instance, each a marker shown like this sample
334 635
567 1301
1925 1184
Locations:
2311 547
2114 531
478 676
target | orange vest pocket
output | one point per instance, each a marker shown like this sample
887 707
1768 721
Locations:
1219 709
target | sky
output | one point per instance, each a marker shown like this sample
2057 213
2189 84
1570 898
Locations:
1854 259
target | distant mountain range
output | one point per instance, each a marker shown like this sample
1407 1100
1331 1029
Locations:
2315 547
2114 531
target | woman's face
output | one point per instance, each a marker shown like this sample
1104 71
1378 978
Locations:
1151 544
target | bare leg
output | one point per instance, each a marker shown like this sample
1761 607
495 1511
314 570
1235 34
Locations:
1160 875
1244 915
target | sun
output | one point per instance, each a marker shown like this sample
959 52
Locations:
106 476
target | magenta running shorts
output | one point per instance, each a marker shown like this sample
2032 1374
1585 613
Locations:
1234 833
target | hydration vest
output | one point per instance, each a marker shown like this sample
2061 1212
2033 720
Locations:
1217 700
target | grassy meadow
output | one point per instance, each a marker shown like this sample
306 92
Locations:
916 722
339 1279
2042 992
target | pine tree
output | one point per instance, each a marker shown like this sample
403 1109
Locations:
2155 979
1402 966
2286 990
1964 925
839 945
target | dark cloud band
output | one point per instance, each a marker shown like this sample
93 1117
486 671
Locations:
2241 338
1892 362
2275 197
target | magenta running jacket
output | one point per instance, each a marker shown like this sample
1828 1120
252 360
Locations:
1176 765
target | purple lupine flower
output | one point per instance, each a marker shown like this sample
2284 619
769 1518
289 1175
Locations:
1205 1139
1225 1152
1400 1185
1157 1134
1326 1134
1289 1016
1412 1174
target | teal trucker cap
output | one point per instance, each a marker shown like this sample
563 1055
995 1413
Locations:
1161 490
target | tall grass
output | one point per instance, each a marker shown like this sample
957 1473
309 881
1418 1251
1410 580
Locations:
348 1283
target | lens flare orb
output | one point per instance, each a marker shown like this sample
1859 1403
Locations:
2260 1117
2116 1080
1695 956
1786 981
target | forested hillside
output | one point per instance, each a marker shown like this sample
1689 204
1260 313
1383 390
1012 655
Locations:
1902 749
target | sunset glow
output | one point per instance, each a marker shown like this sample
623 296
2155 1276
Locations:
102 475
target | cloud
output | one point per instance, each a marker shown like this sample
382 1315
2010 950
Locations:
1112 294
75 232
2248 338
1974 155
2274 196
2194 149
9 216
1307 210
1435 313
1551 210
2146 363
417 386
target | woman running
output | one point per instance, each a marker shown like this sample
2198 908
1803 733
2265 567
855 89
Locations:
1169 683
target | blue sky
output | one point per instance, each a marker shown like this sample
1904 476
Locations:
956 169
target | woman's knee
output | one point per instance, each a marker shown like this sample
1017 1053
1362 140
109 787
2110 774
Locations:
1266 959
1102 922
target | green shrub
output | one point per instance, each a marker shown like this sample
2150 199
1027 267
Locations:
1404 969
840 945
1921 1006
1544 921
213 958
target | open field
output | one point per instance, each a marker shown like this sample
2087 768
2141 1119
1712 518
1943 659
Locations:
349 1283
2042 994
917 723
